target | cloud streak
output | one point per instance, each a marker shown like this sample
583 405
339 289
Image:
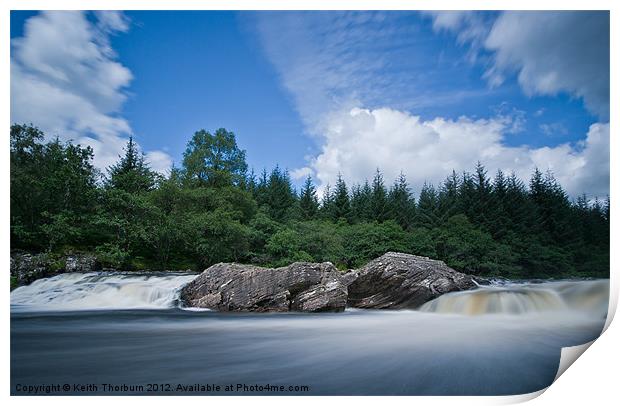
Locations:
355 88
66 80
550 52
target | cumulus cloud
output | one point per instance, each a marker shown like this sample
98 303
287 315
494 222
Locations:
66 80
358 141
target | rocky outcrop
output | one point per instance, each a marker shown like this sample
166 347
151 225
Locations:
81 263
301 286
399 281
26 268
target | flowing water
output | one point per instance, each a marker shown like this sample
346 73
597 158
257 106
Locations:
119 333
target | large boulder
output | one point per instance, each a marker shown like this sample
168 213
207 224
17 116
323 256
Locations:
399 281
301 286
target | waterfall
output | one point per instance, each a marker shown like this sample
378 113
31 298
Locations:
101 290
589 296
116 290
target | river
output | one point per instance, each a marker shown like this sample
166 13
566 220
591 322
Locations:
113 333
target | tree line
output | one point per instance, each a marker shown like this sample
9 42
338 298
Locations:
212 209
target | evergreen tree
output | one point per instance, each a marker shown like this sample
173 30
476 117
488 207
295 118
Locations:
308 201
210 211
342 204
448 198
401 204
481 211
361 197
327 208
131 173
378 201
279 194
426 213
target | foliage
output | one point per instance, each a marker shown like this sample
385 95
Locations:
210 210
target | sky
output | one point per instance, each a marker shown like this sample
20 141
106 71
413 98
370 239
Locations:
328 93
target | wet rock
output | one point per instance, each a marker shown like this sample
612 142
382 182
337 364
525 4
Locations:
301 286
398 281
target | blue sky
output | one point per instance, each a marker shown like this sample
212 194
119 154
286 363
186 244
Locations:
322 93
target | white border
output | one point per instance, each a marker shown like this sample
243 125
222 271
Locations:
592 380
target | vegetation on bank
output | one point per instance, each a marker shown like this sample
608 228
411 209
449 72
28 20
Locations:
212 209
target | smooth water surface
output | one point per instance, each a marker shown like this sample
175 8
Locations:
495 340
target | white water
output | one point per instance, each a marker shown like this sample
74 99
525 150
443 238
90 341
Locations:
100 290
495 340
589 296
92 291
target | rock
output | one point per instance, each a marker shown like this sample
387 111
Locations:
26 268
301 286
82 263
399 281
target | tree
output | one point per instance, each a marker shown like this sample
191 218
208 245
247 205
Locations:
378 200
214 160
279 195
448 198
342 204
131 173
53 191
426 212
209 211
308 200
361 197
401 204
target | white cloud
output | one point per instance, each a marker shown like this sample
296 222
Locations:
358 141
335 60
301 173
551 52
332 62
65 80
553 129
448 20
159 161
555 52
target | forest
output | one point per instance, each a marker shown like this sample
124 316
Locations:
214 209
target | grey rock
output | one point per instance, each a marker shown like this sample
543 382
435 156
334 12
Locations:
301 286
399 281
82 263
26 268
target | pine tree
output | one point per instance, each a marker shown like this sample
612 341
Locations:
342 204
279 195
480 216
308 201
448 198
428 205
131 173
378 202
327 208
361 197
401 204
